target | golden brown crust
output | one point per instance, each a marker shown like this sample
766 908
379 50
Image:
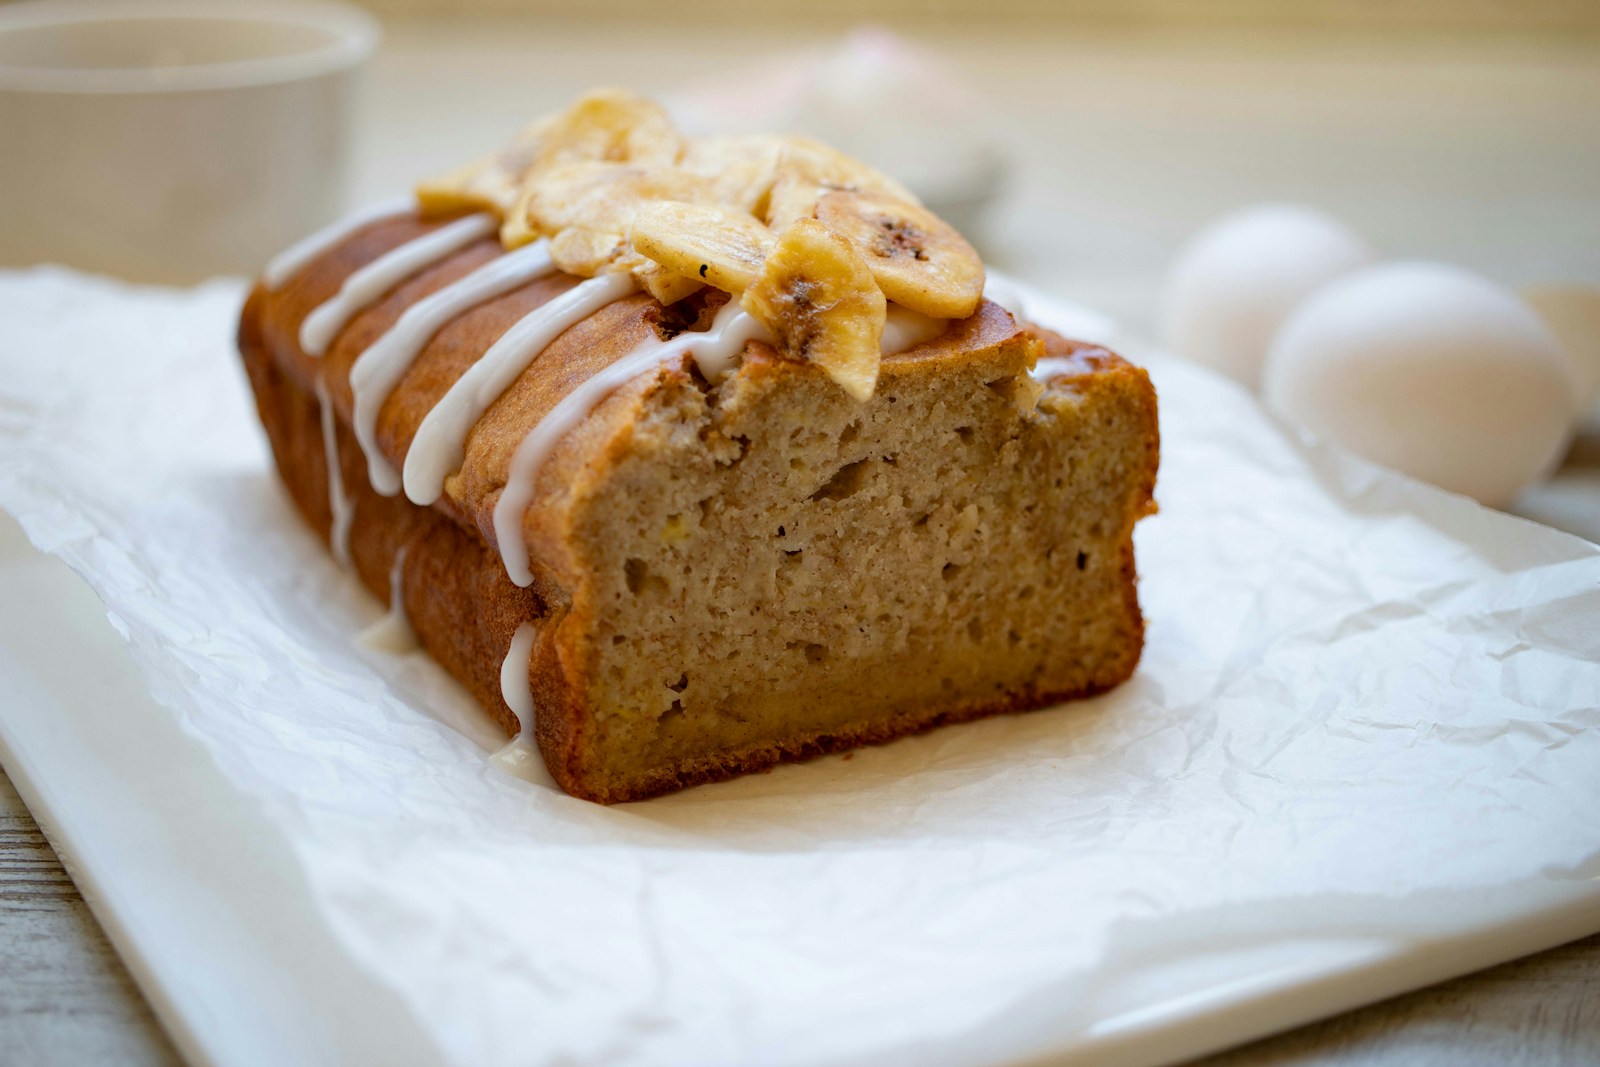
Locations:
462 606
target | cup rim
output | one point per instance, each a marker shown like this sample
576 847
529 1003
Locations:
352 33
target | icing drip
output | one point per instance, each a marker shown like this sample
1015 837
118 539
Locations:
287 264
379 368
715 351
1030 307
1050 366
393 632
1001 291
440 443
520 756
515 688
338 500
906 329
361 289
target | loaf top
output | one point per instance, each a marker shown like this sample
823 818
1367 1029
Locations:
493 340
619 330
813 244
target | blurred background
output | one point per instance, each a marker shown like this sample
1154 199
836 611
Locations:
1078 143
1463 130
1093 135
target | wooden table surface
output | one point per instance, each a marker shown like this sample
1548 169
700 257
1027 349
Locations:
1482 152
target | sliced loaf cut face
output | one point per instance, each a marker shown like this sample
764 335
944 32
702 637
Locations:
769 569
730 576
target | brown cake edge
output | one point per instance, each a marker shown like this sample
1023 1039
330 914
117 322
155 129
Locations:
464 610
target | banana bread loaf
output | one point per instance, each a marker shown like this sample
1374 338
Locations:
671 542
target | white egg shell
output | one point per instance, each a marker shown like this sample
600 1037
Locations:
1573 314
1432 371
1236 281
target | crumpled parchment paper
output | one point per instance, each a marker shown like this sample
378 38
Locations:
1366 709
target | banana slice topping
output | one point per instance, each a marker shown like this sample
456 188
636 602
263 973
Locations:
723 248
918 259
812 242
815 292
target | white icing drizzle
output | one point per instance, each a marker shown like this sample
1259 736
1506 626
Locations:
1001 291
363 288
715 352
379 368
905 329
440 443
287 264
1050 366
393 632
520 756
338 500
515 687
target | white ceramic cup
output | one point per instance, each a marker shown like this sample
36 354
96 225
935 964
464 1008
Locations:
170 140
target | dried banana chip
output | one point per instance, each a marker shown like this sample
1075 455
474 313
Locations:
918 259
612 126
741 168
601 197
666 286
818 298
584 251
488 184
809 169
725 249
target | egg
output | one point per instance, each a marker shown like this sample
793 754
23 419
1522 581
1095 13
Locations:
1430 370
1236 281
1573 314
